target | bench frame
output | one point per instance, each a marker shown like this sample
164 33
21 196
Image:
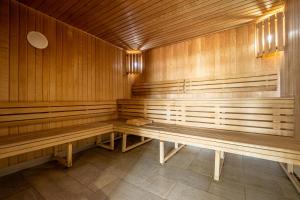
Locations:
110 146
128 148
162 157
219 146
67 162
289 170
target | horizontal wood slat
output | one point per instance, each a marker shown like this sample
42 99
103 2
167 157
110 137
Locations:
12 114
274 116
241 84
11 146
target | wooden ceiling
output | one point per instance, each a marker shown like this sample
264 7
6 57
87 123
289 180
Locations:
145 24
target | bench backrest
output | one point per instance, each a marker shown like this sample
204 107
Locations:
18 114
266 82
273 116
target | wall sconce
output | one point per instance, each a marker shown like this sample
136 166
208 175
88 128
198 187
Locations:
134 62
270 34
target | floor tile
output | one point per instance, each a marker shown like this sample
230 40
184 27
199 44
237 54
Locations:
12 184
182 191
158 185
27 194
99 174
228 189
187 177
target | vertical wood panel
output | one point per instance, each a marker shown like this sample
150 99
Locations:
280 25
272 34
74 67
14 52
259 47
4 50
266 44
229 53
290 73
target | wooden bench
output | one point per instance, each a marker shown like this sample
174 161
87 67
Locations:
265 82
261 128
23 114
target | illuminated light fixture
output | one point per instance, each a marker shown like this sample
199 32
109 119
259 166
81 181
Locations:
270 33
269 38
134 62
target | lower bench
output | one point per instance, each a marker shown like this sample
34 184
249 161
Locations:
276 148
15 145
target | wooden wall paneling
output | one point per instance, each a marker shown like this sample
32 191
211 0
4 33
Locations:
31 55
45 61
93 71
14 52
80 66
280 30
70 69
59 64
51 26
23 55
89 68
266 35
290 73
227 54
85 68
4 50
259 48
97 71
41 68
75 65
273 33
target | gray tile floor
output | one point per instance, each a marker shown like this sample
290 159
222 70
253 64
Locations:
100 174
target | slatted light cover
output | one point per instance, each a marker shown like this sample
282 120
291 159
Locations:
134 62
270 34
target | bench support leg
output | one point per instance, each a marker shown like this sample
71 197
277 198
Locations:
161 152
219 161
64 161
69 154
289 170
55 151
110 146
127 148
162 157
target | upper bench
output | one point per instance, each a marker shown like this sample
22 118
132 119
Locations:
258 83
273 116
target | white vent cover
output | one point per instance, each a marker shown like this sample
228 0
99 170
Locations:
37 40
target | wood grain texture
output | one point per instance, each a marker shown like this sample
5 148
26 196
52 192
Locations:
76 66
185 87
269 147
291 70
273 116
223 55
4 50
152 23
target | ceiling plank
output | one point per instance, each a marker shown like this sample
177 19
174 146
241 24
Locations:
146 24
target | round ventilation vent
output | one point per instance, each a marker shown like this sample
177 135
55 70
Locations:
37 40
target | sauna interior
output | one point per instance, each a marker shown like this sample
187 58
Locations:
156 99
